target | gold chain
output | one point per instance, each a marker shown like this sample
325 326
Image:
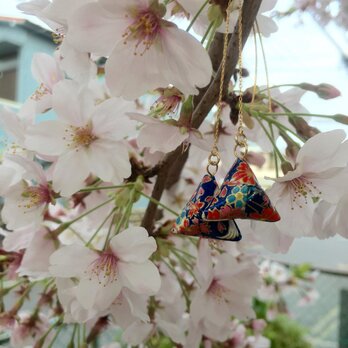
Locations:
214 157
241 147
240 138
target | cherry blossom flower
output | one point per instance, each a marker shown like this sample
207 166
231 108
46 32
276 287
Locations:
36 256
39 244
85 137
47 73
166 136
77 65
139 44
168 322
219 296
263 237
27 200
74 312
129 307
29 329
275 271
101 275
172 320
310 297
318 175
330 219
129 311
169 319
168 102
15 126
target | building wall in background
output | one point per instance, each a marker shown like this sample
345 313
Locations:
19 41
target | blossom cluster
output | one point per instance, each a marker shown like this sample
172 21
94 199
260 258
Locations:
114 100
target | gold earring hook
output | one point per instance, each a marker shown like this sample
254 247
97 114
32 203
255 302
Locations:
214 157
241 141
241 147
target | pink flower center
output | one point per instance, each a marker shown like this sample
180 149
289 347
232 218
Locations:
104 268
35 196
166 104
218 291
144 29
300 189
79 136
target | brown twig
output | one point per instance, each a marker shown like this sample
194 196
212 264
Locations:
203 103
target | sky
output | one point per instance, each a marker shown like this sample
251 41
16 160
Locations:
299 52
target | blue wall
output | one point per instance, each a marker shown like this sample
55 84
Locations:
29 43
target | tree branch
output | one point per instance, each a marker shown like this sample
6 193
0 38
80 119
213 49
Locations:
203 103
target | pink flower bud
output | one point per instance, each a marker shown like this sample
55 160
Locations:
257 159
258 325
341 118
323 90
326 91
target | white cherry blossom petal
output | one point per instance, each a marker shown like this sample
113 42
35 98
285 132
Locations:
70 172
141 278
51 134
93 29
45 69
197 70
67 103
71 261
87 292
133 245
320 152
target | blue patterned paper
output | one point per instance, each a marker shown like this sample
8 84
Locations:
240 197
190 220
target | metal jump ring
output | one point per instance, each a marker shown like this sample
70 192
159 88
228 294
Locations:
240 138
214 159
215 169
241 150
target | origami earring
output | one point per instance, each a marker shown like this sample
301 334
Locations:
190 222
241 196
211 211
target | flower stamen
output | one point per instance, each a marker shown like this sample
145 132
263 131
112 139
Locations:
300 189
40 92
34 196
144 29
104 268
79 136
218 291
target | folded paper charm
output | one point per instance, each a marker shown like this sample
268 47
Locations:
190 221
240 197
